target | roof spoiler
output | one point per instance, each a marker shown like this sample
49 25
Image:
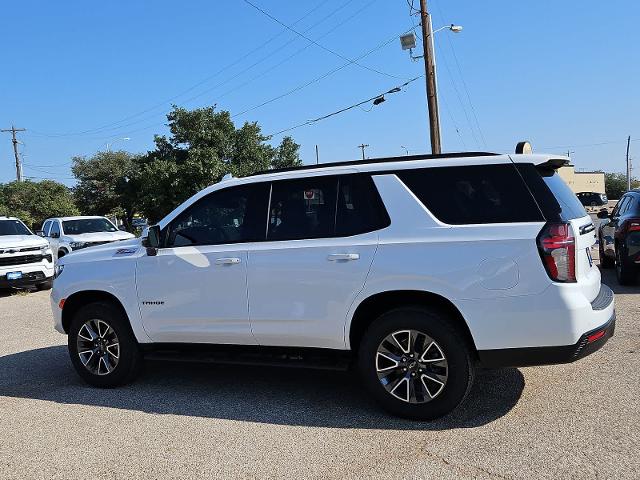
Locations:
554 163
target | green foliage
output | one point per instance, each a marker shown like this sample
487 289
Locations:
203 146
33 202
615 184
108 184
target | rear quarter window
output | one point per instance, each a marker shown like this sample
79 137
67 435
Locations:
556 200
476 194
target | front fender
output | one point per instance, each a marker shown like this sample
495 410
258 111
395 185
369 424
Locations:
115 276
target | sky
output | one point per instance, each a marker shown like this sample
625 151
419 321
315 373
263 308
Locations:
83 76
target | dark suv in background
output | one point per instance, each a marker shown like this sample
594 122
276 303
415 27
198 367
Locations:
619 237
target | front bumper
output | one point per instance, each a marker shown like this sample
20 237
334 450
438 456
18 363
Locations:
588 343
27 279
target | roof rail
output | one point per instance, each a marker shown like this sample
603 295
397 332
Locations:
404 158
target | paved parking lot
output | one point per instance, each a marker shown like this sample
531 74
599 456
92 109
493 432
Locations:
185 421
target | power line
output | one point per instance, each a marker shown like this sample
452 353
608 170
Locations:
342 110
317 79
191 88
333 52
332 13
464 83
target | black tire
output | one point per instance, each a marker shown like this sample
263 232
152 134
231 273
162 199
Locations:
129 358
626 273
46 285
605 262
61 253
460 368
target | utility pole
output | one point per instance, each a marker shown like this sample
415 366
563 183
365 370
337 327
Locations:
628 165
317 156
430 76
13 131
363 146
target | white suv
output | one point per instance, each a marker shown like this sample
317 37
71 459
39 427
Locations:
418 269
67 234
25 258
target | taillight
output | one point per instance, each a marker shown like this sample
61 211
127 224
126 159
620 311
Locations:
557 247
633 225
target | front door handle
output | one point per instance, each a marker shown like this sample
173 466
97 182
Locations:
335 257
227 261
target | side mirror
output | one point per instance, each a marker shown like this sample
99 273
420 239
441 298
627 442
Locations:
602 214
40 233
55 235
153 240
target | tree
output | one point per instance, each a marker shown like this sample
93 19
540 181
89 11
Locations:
202 147
33 202
615 184
108 184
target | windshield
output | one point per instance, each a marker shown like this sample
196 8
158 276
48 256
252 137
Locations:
87 225
13 227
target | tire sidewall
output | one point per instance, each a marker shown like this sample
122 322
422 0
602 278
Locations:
457 352
129 351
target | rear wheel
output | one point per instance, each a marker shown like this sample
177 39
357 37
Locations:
415 364
626 273
102 347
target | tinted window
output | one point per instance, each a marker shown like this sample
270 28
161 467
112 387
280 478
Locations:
302 208
360 208
87 225
570 206
45 228
55 228
232 215
13 227
473 194
620 206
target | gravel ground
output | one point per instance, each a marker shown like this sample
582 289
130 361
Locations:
183 421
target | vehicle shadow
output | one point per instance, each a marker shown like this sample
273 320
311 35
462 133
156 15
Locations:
283 396
609 278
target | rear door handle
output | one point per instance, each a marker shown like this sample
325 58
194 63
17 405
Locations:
227 261
335 257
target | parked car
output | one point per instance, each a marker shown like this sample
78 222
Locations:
619 238
592 199
25 259
417 269
67 234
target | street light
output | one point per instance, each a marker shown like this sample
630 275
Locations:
408 41
108 144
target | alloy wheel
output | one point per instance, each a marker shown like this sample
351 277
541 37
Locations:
98 347
411 366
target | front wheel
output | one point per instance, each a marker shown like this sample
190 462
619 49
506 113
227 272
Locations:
415 363
102 347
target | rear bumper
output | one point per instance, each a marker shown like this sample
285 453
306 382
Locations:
588 343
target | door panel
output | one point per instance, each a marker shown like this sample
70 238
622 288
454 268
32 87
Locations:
195 294
301 290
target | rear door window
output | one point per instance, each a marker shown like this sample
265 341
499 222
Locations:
476 194
360 209
302 208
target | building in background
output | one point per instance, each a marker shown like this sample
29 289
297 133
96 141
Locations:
582 181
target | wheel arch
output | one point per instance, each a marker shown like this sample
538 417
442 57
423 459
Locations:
79 299
373 306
